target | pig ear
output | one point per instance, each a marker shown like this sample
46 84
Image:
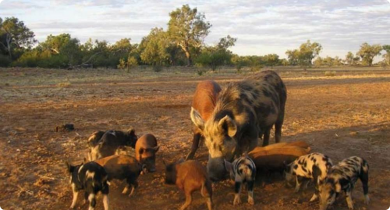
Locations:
155 148
69 167
131 132
228 166
227 124
180 161
196 118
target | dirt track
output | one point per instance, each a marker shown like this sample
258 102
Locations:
340 116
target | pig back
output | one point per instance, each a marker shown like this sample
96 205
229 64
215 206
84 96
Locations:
205 96
193 171
120 166
274 159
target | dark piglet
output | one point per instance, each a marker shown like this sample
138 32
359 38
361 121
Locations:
109 143
189 176
92 178
122 167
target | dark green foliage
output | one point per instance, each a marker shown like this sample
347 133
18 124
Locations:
4 60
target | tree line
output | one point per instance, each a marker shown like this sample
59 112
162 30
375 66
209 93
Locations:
182 44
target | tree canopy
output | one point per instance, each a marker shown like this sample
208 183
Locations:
187 28
14 36
368 52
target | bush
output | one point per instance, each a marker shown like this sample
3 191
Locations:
4 61
330 73
157 68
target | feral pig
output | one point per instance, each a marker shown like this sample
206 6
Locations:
244 112
189 176
342 177
242 170
145 151
92 178
204 99
122 167
125 150
274 159
314 166
94 139
65 127
109 142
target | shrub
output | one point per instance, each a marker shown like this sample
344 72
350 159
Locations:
4 61
330 73
157 68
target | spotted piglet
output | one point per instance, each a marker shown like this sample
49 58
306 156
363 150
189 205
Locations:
314 166
242 170
90 177
342 177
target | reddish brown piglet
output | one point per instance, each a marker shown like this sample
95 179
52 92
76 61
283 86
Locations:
189 176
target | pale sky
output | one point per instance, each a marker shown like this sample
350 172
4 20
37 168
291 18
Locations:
262 27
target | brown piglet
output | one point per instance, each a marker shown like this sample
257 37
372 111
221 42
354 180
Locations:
189 176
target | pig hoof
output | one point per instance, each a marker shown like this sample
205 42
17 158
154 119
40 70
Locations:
313 198
251 201
236 201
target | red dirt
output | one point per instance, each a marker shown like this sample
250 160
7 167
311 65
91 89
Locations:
340 116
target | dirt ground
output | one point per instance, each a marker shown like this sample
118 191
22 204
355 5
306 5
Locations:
342 115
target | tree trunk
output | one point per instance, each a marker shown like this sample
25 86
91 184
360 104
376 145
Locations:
186 50
189 60
8 40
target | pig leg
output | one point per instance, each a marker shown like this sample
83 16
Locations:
250 192
92 201
349 199
75 194
315 195
188 200
195 146
298 183
278 126
206 192
237 190
135 186
105 201
266 136
364 179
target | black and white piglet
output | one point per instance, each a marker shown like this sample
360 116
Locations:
92 178
342 177
242 170
314 166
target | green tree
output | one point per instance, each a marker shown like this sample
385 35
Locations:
271 59
318 62
386 57
368 52
61 50
293 57
187 28
305 54
239 62
217 55
350 58
155 48
15 36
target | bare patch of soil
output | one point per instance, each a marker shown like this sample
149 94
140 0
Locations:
341 116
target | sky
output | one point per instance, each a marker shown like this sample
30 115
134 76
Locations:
261 27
